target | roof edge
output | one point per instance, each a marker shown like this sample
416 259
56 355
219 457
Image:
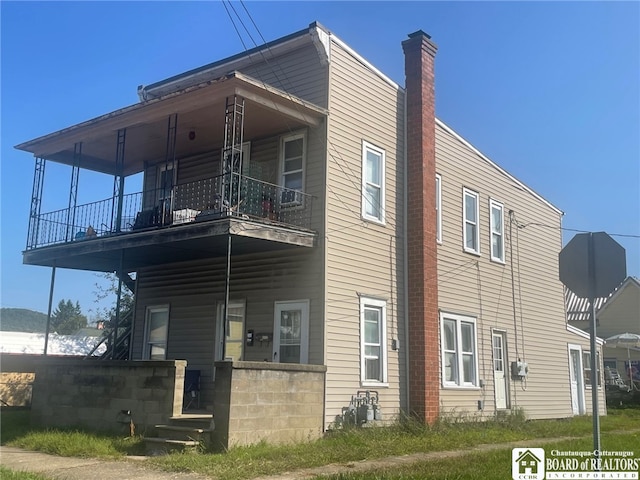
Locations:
146 92
496 166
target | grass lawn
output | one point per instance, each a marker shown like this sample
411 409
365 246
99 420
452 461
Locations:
338 447
6 474
487 465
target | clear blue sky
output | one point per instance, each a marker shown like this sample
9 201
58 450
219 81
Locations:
548 90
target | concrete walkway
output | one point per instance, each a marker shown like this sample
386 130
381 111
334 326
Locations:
135 468
72 468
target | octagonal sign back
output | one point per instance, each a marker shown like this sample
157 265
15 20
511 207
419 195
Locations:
607 270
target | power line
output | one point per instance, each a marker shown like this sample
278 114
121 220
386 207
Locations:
536 224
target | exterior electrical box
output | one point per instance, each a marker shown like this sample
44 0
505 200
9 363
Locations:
519 369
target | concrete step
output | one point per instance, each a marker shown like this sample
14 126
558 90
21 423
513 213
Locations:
193 420
162 446
175 432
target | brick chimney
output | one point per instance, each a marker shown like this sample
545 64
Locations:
423 345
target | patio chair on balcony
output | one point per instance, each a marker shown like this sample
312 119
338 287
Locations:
147 218
191 389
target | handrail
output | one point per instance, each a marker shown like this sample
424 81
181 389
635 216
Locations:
206 199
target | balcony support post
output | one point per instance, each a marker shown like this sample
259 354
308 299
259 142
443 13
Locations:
73 190
46 334
36 203
232 153
118 183
227 285
168 180
116 320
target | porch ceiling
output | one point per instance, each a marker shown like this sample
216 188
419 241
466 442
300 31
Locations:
200 109
179 243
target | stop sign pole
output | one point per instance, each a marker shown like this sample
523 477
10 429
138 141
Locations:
592 265
592 344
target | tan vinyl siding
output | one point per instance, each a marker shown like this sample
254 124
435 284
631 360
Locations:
622 314
299 73
476 286
193 291
363 258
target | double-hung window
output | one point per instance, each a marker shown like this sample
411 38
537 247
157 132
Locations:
438 208
586 367
471 231
497 231
292 161
155 333
373 159
459 358
373 350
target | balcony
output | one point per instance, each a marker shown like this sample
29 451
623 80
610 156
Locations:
187 221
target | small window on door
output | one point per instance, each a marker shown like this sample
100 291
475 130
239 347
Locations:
291 332
155 333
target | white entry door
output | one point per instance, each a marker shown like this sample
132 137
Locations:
291 332
499 364
578 406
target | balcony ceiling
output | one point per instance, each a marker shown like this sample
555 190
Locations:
200 109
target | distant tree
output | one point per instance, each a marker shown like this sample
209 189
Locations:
127 302
108 314
22 320
68 318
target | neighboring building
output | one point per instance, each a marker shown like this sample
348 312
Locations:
306 208
616 314
81 343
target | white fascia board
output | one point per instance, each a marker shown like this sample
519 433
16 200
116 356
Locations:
583 334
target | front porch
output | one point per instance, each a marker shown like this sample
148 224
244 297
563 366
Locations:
229 153
253 401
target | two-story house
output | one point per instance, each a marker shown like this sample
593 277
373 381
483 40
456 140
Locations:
300 207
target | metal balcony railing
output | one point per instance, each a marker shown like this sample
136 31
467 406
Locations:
229 195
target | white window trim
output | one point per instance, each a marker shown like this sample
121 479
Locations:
497 205
283 140
438 208
459 319
366 146
219 342
466 192
146 353
382 305
599 379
